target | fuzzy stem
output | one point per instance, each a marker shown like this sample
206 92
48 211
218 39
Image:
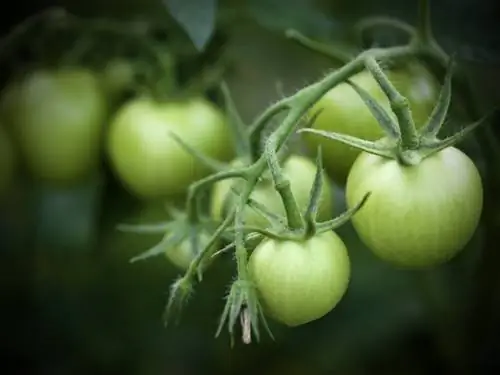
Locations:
383 21
241 252
424 28
399 105
282 186
195 188
318 47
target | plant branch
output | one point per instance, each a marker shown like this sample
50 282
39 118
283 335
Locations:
321 48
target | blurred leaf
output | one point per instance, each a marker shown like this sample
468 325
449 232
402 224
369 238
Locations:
197 18
303 15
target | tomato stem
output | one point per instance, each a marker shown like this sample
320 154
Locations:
424 27
282 185
336 54
399 105
383 21
198 186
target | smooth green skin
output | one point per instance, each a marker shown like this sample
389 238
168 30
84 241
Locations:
343 111
145 156
182 255
8 161
57 118
418 216
300 171
299 282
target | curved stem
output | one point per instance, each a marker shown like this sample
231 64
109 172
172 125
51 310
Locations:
195 188
323 49
399 105
424 27
256 128
282 186
383 21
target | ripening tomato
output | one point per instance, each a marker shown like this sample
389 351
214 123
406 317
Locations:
7 161
146 157
416 216
343 111
299 170
57 117
300 281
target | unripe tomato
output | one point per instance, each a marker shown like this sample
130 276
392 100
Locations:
299 282
58 119
182 255
7 161
343 111
145 156
416 216
299 170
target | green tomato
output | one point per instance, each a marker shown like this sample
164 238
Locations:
299 282
145 156
8 161
343 111
417 216
299 170
182 255
57 117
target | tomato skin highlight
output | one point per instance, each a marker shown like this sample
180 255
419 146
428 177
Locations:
343 111
300 170
145 156
299 282
57 117
419 216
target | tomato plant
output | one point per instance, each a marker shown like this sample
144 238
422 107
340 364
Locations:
301 172
57 117
8 161
149 160
417 215
343 111
300 281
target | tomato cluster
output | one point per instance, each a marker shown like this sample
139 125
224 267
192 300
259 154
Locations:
412 202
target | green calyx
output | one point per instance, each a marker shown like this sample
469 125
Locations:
402 141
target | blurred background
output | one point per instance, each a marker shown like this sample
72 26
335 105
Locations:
72 304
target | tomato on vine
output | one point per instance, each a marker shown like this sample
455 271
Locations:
343 111
300 281
149 160
57 117
427 195
417 216
300 170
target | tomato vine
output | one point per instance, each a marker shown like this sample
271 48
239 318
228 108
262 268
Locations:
403 144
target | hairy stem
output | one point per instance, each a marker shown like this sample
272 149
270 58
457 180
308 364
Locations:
424 28
399 105
198 186
336 54
282 185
